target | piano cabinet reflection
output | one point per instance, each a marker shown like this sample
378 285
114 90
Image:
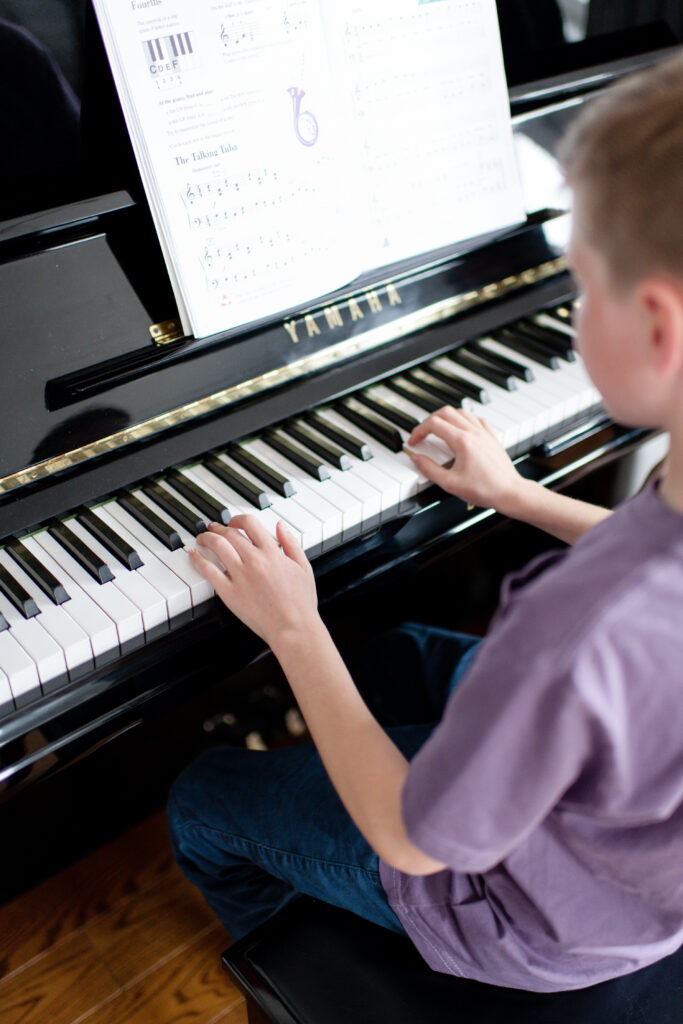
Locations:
121 439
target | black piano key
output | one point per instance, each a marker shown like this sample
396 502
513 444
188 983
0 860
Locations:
344 439
331 453
526 347
417 395
176 509
252 492
389 412
205 502
557 342
4 624
509 366
467 388
476 360
299 456
109 539
270 476
373 425
14 591
41 576
446 393
85 556
144 515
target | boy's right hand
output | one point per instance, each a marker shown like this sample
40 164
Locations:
482 472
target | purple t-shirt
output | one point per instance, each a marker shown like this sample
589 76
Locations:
553 786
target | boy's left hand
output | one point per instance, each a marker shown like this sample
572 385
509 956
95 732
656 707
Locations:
270 588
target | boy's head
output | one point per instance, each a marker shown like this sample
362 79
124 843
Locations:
623 159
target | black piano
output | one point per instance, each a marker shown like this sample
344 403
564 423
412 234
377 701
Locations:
121 437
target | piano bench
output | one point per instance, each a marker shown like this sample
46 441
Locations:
316 964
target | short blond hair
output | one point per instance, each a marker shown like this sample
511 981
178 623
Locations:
624 157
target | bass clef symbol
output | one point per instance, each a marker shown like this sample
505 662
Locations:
305 124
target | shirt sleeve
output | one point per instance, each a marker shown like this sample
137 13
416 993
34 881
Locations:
514 738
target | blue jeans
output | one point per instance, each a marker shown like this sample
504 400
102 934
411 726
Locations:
252 829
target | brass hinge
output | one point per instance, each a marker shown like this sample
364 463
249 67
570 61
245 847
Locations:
166 331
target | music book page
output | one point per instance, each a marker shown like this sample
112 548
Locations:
287 146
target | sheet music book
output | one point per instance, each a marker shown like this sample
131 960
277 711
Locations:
287 146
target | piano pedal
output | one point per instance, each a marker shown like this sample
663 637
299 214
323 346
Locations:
295 725
264 719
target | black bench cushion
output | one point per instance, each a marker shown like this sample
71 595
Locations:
316 964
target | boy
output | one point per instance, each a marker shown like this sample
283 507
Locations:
535 839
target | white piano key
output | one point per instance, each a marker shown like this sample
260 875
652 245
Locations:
555 324
7 705
237 504
305 527
20 670
98 626
526 409
162 576
38 644
177 561
308 496
396 465
54 619
566 390
138 585
433 447
125 615
367 497
496 412
368 470
334 493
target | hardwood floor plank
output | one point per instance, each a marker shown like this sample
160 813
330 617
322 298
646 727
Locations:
150 927
58 987
235 1015
189 987
59 906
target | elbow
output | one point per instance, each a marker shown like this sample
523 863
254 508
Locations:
404 856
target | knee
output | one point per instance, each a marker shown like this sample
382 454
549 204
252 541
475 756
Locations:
190 797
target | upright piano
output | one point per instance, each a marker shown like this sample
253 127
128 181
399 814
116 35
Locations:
121 437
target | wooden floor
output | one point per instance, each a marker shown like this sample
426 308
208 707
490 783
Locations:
119 937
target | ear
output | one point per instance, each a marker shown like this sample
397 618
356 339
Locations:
660 300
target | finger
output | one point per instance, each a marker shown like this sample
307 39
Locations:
225 548
433 471
233 536
255 530
290 545
218 580
450 433
447 414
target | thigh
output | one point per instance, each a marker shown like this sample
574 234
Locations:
406 674
278 810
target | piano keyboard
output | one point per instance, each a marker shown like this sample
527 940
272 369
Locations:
78 593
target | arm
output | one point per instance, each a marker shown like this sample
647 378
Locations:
272 590
483 473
